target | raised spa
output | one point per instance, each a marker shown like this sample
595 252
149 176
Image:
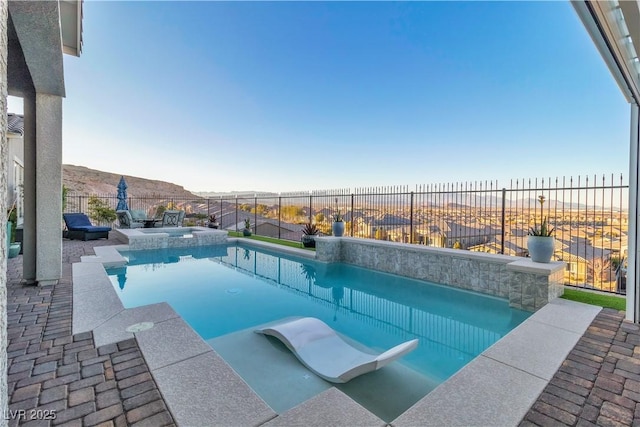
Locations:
170 237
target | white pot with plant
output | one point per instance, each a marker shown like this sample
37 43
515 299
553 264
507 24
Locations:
540 241
337 227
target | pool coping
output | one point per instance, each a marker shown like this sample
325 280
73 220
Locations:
496 388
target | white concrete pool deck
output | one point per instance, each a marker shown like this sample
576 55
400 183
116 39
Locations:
200 388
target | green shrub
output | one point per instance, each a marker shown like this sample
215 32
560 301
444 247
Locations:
99 211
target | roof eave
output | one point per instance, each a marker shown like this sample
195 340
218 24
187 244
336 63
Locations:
71 26
619 47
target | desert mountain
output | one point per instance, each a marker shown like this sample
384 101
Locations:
79 179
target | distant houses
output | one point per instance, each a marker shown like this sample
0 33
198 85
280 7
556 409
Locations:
441 233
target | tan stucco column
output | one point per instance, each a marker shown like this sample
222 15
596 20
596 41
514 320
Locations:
29 239
48 188
42 242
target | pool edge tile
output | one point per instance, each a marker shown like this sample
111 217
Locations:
330 407
551 344
170 341
114 329
484 392
204 390
569 315
90 278
94 308
541 343
446 406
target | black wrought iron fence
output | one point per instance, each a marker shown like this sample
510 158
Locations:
590 215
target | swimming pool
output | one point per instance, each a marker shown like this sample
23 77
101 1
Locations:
226 290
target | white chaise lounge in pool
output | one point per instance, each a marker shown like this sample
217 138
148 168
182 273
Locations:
321 350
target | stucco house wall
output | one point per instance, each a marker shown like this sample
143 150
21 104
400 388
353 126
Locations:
4 403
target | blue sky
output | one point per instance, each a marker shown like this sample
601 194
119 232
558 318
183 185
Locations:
283 96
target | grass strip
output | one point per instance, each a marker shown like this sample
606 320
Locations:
595 298
283 242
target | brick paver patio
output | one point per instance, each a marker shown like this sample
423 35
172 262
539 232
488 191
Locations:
54 374
599 382
56 378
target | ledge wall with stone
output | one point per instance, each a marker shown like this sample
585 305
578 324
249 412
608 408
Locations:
526 284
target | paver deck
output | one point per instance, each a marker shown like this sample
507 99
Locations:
65 377
56 378
599 382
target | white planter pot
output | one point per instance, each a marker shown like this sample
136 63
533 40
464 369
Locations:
540 248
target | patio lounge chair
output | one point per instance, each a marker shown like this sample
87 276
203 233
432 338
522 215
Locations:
321 350
138 215
79 228
125 219
172 218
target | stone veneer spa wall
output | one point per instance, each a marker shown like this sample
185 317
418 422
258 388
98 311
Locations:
526 284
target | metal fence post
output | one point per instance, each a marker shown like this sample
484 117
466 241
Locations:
220 220
310 206
504 196
279 216
411 220
236 212
255 213
352 218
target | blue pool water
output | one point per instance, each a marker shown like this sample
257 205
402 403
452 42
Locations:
220 290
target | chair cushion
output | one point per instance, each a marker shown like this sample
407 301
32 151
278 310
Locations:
81 222
91 228
74 220
138 214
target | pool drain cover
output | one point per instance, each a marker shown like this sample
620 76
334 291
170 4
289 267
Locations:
139 327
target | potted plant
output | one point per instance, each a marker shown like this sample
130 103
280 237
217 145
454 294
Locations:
309 231
247 227
338 223
213 222
540 240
